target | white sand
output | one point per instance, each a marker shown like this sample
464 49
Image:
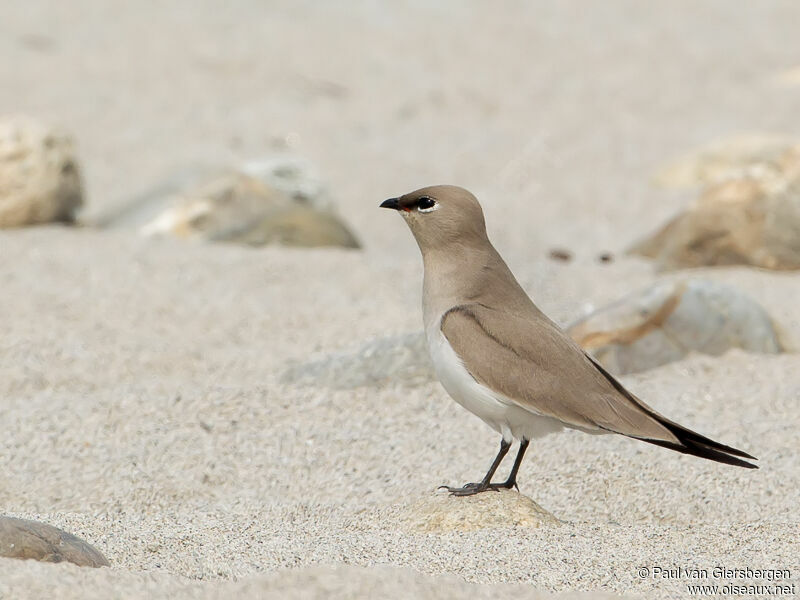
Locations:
141 407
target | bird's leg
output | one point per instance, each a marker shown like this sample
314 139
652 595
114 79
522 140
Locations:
512 477
476 488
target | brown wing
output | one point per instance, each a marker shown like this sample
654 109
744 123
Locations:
536 365
530 361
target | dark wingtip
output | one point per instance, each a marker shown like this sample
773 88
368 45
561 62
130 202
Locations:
689 442
688 446
701 446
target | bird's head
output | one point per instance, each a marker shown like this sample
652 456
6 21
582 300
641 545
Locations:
441 215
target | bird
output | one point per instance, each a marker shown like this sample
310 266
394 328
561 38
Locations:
500 357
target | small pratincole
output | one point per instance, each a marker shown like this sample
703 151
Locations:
502 359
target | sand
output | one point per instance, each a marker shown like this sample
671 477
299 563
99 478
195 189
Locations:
142 407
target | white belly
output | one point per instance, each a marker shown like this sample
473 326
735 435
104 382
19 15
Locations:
497 411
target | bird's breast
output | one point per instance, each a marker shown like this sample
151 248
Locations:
501 414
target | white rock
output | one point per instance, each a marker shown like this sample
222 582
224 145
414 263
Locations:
265 202
665 322
40 178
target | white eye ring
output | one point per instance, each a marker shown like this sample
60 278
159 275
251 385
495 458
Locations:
430 208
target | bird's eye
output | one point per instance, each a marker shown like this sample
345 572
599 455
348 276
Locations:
426 204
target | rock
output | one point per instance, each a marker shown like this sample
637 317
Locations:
301 226
761 157
667 321
240 208
748 213
741 221
21 538
267 202
135 212
40 180
401 359
442 513
292 176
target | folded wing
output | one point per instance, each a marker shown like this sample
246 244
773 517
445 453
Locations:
530 361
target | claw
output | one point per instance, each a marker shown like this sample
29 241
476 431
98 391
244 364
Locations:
468 489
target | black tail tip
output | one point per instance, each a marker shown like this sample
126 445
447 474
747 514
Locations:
701 450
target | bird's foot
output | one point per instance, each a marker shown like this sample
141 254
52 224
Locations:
470 489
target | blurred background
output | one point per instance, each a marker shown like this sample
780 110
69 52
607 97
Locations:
565 106
211 358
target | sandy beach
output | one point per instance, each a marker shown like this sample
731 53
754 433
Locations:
143 407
